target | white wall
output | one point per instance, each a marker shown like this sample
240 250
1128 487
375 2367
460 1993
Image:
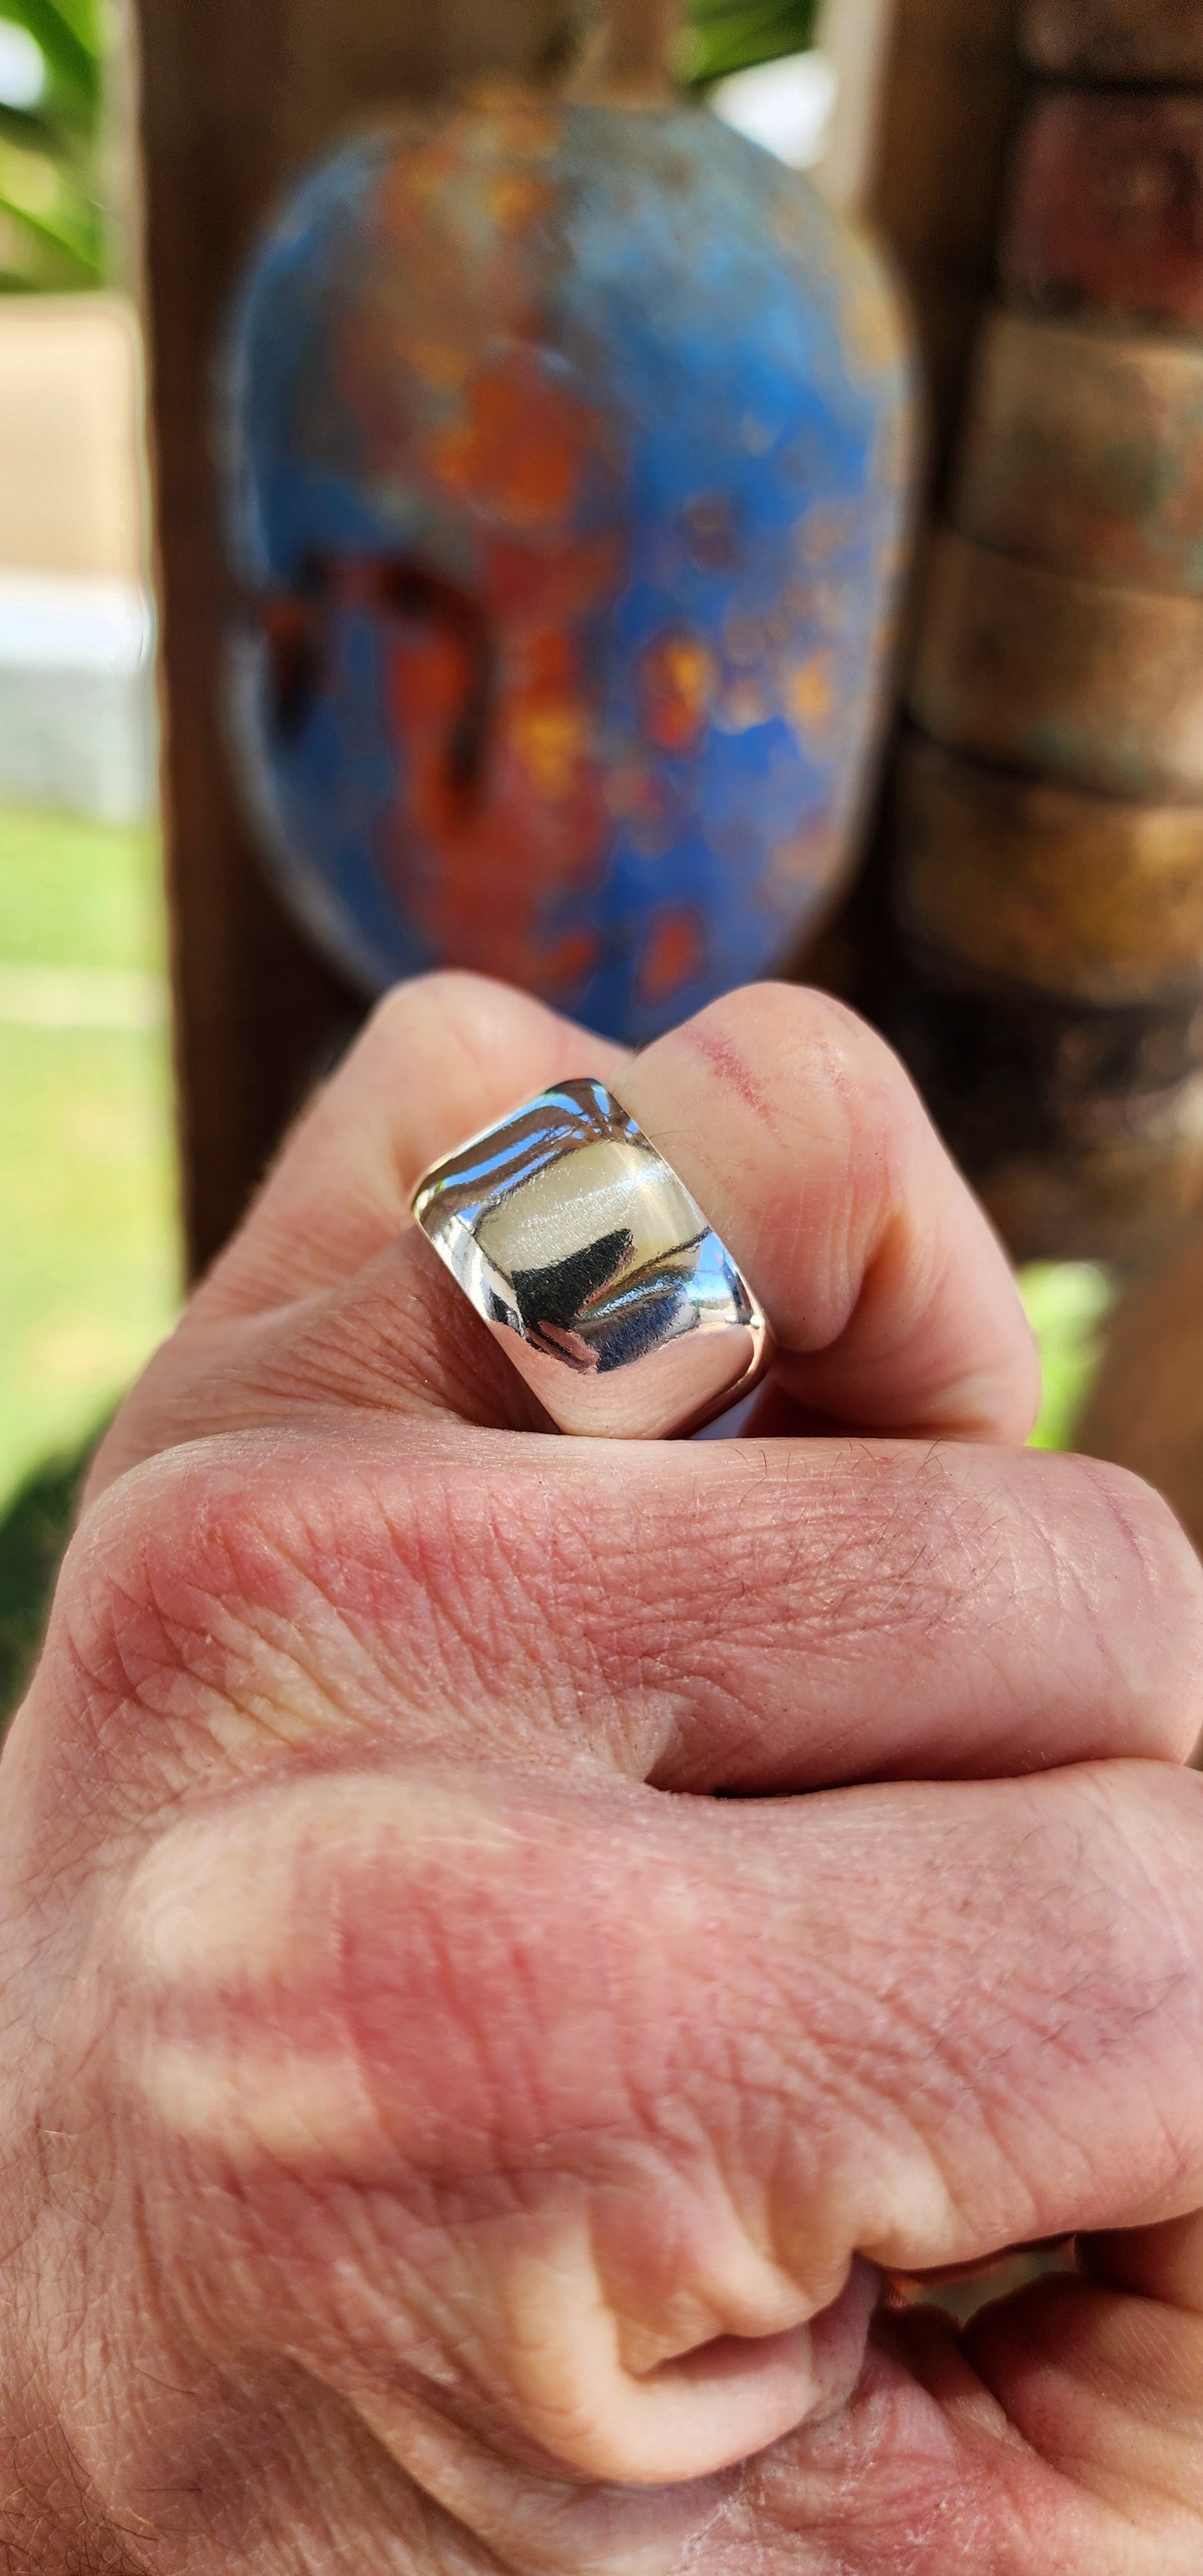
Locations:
70 407
76 669
854 34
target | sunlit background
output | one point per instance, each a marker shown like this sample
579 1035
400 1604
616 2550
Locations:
89 1259
89 1265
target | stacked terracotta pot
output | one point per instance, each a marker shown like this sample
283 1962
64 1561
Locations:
1049 821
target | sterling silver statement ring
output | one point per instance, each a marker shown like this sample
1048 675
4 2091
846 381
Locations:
594 1266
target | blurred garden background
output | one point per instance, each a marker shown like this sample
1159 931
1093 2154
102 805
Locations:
89 1251
89 1262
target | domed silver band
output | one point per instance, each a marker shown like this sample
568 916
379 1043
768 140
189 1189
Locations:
585 1254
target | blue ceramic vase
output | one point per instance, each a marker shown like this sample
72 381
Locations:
569 453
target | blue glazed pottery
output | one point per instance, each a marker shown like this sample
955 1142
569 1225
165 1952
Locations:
569 455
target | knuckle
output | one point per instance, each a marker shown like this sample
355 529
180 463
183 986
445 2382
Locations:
345 1967
1156 1815
1164 1589
1147 1523
449 1007
352 2032
185 1619
443 992
1111 1597
106 1618
266 1596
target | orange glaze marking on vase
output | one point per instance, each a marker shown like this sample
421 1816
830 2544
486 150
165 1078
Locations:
483 894
675 953
678 683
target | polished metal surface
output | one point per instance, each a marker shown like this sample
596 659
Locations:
595 1268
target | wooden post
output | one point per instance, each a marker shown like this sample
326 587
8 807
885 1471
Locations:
629 61
952 91
235 95
948 99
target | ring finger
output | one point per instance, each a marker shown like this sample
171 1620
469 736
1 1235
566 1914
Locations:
793 1125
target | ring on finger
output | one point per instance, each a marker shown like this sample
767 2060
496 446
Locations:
586 1255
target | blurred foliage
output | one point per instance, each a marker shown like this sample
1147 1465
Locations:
732 35
33 1534
52 232
52 224
1068 1303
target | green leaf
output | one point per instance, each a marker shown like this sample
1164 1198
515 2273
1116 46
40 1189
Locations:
75 240
53 228
29 128
731 35
74 62
87 20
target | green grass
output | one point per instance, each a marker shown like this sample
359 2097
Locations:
87 1283
74 893
89 1263
88 1257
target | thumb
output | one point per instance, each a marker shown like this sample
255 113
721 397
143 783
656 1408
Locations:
1163 2263
1103 2375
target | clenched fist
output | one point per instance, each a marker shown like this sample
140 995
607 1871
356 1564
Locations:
506 1940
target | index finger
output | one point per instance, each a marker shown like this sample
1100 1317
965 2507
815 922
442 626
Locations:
439 1058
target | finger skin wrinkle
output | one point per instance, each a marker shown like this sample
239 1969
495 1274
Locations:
753 1619
534 2523
392 1341
275 1613
446 1997
927 2489
1077 1999
205 1620
601 2037
1099 2381
1165 1562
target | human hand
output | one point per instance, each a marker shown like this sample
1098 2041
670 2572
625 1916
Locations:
458 2102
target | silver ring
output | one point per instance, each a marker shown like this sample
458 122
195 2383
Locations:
586 1255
